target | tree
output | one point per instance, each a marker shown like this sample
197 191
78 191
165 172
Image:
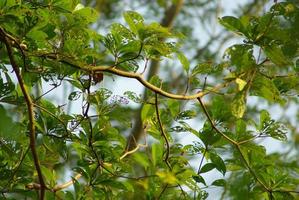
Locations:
112 150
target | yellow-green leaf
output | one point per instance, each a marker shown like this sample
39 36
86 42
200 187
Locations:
241 84
239 105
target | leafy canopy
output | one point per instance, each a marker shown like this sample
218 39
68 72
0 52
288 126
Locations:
42 142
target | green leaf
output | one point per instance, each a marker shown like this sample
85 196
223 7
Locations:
207 167
264 117
132 47
208 135
184 61
38 36
121 31
232 24
147 112
187 127
275 130
173 106
49 174
239 105
275 54
73 96
88 14
79 7
157 153
241 126
141 159
9 129
199 179
253 154
219 182
265 88
219 164
187 114
134 20
153 31
241 56
283 195
155 80
133 96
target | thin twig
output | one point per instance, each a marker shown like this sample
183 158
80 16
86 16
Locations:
67 184
234 143
132 151
250 169
201 161
213 124
162 132
53 115
163 190
47 92
166 142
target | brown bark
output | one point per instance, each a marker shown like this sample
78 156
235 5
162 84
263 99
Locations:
167 21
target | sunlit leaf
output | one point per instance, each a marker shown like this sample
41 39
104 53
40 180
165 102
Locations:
239 105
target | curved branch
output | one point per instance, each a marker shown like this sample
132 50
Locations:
138 76
150 86
132 151
67 184
30 108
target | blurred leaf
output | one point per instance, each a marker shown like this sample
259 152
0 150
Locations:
275 54
219 182
265 88
87 13
134 20
184 61
239 105
219 164
9 129
241 56
185 115
147 112
133 96
241 84
207 167
141 159
73 96
167 177
199 179
232 24
157 153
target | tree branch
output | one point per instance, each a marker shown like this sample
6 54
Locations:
30 108
67 184
162 132
150 86
235 144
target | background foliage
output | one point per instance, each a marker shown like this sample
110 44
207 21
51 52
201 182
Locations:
94 144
